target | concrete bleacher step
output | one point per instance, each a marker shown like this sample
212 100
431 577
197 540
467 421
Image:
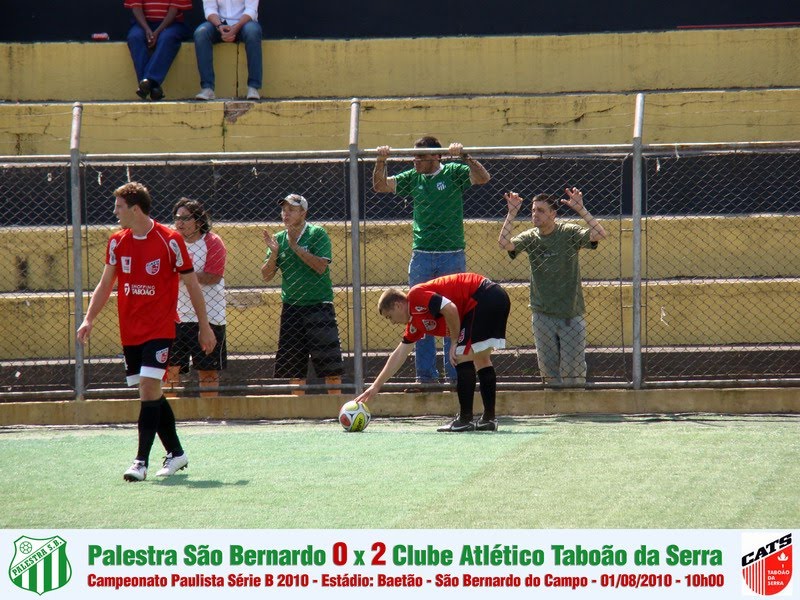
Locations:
476 121
464 66
703 86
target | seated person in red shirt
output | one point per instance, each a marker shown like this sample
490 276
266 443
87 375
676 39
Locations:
473 311
157 30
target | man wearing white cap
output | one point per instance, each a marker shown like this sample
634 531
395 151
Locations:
308 327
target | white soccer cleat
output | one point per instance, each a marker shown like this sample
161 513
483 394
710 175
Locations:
136 472
205 94
252 94
172 464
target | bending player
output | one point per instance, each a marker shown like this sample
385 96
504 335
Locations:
473 311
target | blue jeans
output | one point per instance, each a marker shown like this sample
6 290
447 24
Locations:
206 35
423 267
154 64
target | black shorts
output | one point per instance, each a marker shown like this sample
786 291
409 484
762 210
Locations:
485 325
308 331
187 347
146 360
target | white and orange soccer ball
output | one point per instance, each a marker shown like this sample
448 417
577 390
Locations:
354 416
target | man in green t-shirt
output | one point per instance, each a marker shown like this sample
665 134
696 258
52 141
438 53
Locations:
308 327
559 327
438 226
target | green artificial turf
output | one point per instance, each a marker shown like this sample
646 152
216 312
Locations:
687 471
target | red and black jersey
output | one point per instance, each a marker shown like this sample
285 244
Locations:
148 270
425 303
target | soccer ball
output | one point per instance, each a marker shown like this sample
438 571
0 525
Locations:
354 416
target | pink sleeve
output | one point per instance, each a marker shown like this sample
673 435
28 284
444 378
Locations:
215 255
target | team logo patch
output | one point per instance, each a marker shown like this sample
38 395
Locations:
40 565
126 264
412 330
429 324
767 563
162 355
153 267
440 185
176 250
127 288
112 252
420 309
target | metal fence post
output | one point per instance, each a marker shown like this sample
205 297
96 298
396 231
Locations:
637 243
355 224
77 246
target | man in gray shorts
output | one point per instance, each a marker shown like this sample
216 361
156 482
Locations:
559 327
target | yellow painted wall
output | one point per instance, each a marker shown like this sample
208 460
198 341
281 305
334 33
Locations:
136 127
705 313
698 247
539 402
610 62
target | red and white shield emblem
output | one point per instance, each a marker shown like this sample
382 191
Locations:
767 563
40 565
162 355
153 267
429 324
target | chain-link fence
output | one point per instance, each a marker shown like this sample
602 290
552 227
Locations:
721 271
719 278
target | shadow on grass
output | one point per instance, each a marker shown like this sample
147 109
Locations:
199 484
709 420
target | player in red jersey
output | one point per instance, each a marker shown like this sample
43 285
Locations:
473 311
147 259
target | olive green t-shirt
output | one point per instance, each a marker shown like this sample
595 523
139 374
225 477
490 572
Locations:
438 206
555 270
300 284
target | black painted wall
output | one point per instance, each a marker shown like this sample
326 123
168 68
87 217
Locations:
60 20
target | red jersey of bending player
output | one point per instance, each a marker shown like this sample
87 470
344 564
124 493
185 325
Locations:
425 303
147 286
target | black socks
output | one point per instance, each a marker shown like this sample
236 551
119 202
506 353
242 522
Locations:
149 417
167 432
156 417
488 379
465 386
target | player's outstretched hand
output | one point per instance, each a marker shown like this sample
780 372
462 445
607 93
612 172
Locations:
367 395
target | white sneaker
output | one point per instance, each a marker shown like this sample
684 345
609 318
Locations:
252 94
172 464
136 472
205 94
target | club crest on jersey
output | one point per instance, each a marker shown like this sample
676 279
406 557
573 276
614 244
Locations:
176 250
162 355
441 186
420 309
127 288
767 563
153 267
112 252
429 324
40 565
126 264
